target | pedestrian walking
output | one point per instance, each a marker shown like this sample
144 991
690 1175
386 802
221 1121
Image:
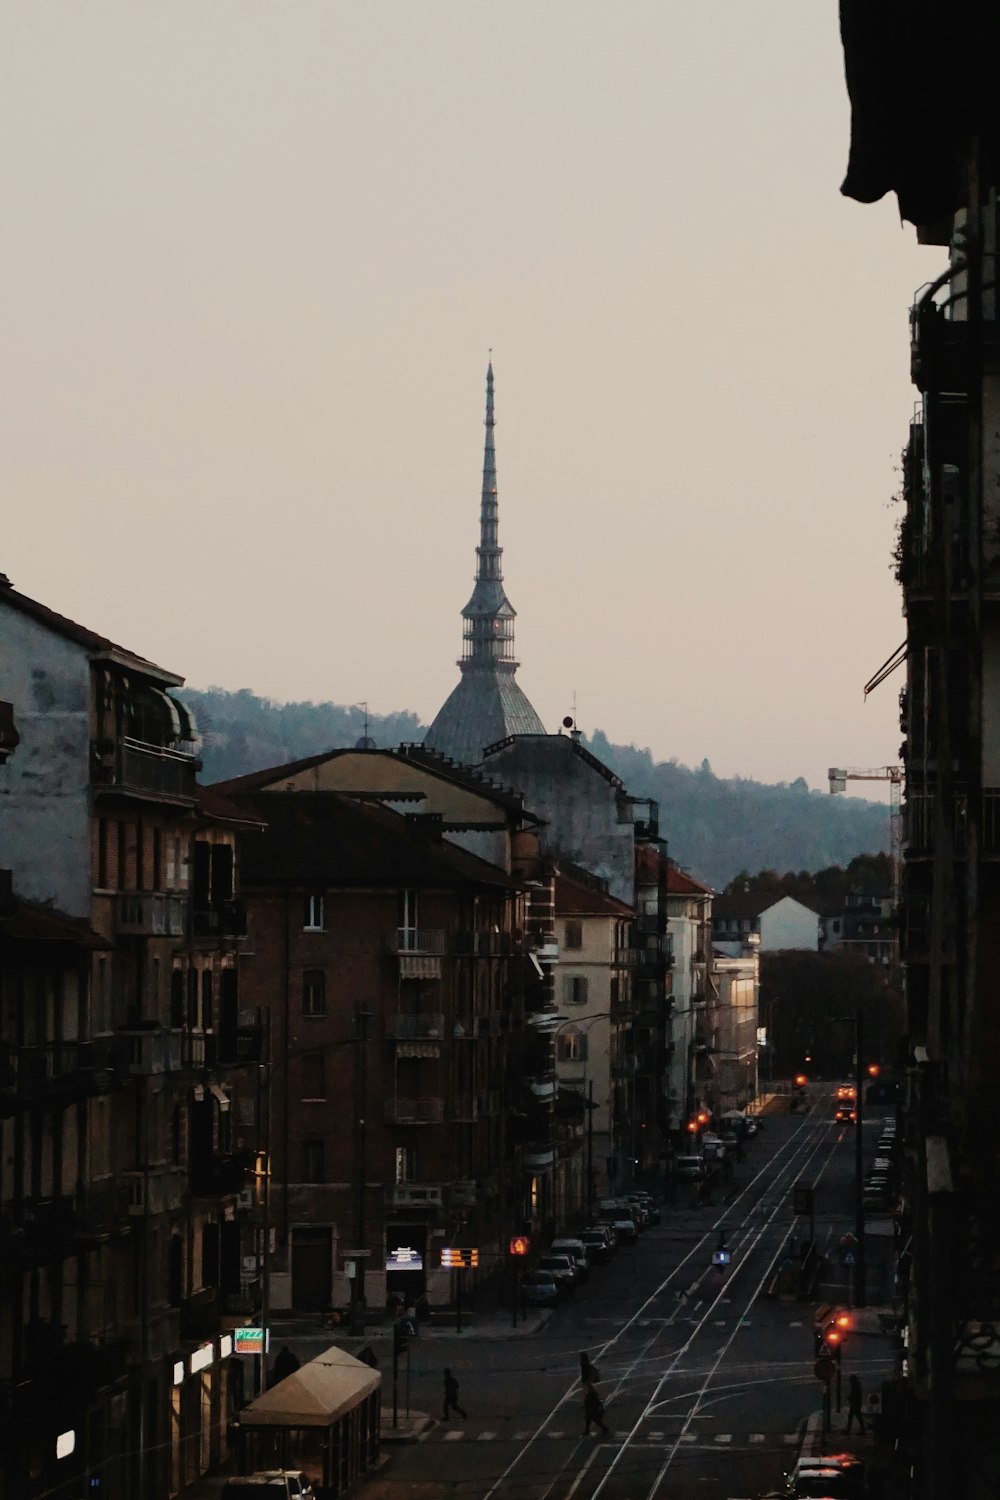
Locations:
854 1404
593 1409
284 1365
589 1373
451 1397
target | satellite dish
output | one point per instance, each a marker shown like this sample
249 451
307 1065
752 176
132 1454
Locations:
568 722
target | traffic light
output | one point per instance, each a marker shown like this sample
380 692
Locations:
800 1080
873 1070
831 1333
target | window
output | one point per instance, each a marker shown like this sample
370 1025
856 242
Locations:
574 934
571 1046
574 990
313 1165
405 1171
207 1018
122 882
314 1076
314 992
408 922
177 998
102 853
157 860
314 912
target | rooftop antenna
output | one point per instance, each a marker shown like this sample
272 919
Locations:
365 742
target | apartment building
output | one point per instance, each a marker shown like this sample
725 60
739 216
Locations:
129 1061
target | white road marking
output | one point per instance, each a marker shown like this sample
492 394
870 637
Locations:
519 1437
453 1437
790 1439
797 1323
723 1437
689 1437
552 1434
656 1437
485 1437
756 1437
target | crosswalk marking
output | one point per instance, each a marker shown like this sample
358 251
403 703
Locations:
519 1437
790 1438
453 1437
484 1437
723 1437
689 1437
796 1324
552 1434
656 1437
756 1437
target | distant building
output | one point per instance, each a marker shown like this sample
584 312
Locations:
748 918
488 703
864 925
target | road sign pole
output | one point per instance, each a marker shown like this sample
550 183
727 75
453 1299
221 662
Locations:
458 1303
839 1353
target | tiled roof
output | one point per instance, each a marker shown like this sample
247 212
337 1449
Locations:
680 883
578 898
79 634
332 839
31 922
751 903
217 807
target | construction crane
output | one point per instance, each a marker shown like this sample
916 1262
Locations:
839 777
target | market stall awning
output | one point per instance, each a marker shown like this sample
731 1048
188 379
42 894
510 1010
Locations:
317 1395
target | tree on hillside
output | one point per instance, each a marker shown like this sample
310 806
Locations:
809 1000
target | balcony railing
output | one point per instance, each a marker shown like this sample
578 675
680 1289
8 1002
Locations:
417 940
153 1052
414 1111
134 766
407 1027
63 1069
414 1195
151 914
155 1191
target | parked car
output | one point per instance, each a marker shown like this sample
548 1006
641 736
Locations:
649 1207
539 1289
608 1231
577 1252
615 1212
597 1245
267 1483
689 1168
561 1268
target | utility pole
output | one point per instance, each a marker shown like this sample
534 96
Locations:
859 1202
361 1018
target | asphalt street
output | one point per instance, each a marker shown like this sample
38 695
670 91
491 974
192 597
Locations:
707 1379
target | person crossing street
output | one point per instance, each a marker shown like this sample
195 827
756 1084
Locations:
451 1397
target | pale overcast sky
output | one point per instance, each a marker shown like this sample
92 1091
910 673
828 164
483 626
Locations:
255 253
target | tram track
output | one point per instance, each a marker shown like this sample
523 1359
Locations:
764 1195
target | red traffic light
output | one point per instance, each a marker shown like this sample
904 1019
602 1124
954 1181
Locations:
833 1336
873 1070
702 1117
800 1080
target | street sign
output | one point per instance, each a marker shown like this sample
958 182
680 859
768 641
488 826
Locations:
825 1369
350 1269
250 1340
358 1254
459 1257
721 1258
849 1258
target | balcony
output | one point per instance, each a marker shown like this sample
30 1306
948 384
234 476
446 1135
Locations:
134 768
247 1300
404 1026
59 1071
225 919
414 1111
538 1158
414 1195
151 914
153 1052
157 1190
81 1366
417 940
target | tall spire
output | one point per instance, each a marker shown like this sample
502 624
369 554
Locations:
488 638
487 704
